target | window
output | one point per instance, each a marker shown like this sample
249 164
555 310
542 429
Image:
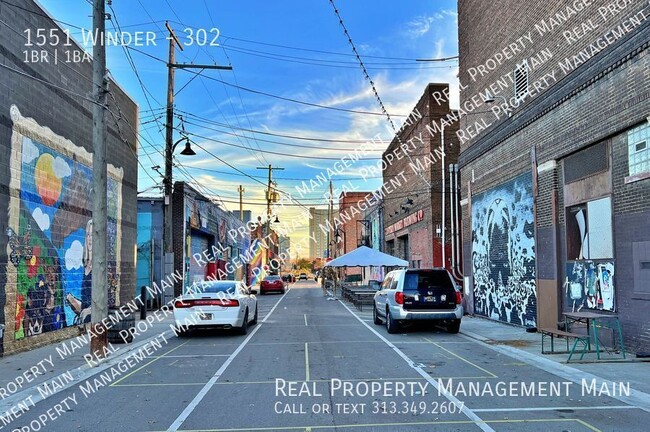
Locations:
521 80
638 144
589 230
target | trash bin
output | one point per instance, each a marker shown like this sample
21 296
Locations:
126 322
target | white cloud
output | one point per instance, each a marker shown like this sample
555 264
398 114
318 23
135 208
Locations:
61 167
30 152
419 26
74 255
42 219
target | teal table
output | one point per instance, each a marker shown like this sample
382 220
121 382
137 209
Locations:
595 321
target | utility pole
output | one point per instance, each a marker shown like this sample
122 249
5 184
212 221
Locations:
241 191
169 139
269 197
99 287
170 146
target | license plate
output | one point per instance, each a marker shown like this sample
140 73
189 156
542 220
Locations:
429 299
207 316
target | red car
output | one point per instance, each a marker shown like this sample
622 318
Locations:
272 283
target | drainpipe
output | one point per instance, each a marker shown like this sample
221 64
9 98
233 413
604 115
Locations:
452 219
442 145
456 222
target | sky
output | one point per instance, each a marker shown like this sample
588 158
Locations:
292 49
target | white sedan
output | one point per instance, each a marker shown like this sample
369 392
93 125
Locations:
216 304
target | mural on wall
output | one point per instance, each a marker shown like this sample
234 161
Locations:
503 252
50 230
590 285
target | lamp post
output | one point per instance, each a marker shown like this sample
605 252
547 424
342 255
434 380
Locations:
167 182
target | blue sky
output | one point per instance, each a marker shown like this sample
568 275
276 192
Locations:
255 38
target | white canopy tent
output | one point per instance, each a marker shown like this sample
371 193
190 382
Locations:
364 256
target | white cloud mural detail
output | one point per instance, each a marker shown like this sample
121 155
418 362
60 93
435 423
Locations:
42 219
74 255
30 151
61 168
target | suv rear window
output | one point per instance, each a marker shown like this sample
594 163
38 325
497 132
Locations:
423 280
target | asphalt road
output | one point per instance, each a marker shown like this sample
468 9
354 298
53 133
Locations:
313 364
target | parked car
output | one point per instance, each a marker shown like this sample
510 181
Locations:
216 304
272 283
416 295
303 276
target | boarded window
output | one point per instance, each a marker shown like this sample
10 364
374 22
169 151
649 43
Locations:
587 162
589 230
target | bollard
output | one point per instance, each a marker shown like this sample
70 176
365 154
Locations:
143 302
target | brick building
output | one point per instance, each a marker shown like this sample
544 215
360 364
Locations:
557 194
201 227
412 215
349 234
45 187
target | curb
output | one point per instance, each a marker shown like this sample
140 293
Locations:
79 374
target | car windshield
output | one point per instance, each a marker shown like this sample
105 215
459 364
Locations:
272 278
212 287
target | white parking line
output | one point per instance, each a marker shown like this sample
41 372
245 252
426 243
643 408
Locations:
199 397
468 412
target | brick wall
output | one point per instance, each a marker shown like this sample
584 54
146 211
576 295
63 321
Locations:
599 100
423 243
47 135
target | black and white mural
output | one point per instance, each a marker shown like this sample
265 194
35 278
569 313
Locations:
503 252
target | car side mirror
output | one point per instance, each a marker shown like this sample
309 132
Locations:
253 292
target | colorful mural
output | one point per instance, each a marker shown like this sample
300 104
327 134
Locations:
590 285
50 230
256 265
503 252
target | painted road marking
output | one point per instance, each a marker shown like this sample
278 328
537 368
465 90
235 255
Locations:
307 362
199 397
461 358
145 365
468 412
273 382
400 424
563 408
305 315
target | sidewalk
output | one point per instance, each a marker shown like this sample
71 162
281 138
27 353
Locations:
50 364
500 334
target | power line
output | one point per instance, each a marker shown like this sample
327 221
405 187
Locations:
274 142
297 101
372 85
296 137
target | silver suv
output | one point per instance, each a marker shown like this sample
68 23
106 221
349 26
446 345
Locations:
418 294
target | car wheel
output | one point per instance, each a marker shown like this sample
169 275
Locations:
375 316
262 292
183 332
244 327
392 326
283 291
453 327
255 316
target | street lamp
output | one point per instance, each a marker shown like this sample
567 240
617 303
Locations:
167 183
